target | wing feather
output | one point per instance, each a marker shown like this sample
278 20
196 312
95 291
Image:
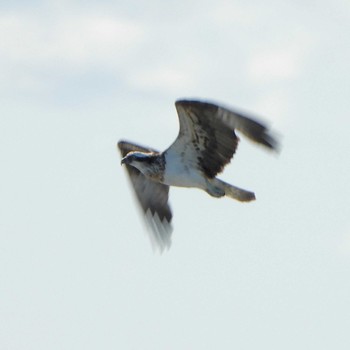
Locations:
152 197
207 132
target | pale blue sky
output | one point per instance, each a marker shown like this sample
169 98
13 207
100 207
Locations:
76 268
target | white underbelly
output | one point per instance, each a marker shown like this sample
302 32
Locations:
182 176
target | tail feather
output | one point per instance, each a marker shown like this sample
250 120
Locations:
233 191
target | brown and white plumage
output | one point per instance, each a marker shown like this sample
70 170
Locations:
205 144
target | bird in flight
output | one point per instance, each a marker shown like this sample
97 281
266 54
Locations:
205 144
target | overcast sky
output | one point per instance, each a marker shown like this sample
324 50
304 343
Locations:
77 270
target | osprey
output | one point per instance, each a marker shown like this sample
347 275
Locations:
205 144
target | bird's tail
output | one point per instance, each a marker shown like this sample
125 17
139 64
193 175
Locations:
233 191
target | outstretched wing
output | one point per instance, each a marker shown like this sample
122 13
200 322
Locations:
153 199
207 135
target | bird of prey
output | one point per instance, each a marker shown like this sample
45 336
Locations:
205 144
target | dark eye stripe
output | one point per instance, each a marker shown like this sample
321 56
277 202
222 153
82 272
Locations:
143 159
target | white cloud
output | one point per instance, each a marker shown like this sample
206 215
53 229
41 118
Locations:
36 52
100 38
228 12
278 61
78 39
170 78
274 65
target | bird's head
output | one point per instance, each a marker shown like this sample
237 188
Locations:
139 160
136 157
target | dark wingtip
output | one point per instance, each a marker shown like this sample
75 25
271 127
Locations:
120 145
260 133
270 142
